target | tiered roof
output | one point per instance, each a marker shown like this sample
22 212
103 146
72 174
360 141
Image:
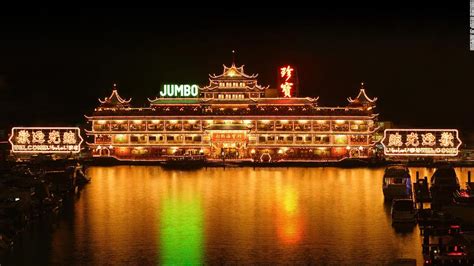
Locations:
233 74
362 100
114 100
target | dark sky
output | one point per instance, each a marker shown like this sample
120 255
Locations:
54 64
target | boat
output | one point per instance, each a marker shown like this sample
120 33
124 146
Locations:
444 183
397 183
462 206
185 161
403 211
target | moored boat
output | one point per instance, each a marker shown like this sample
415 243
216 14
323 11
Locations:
397 183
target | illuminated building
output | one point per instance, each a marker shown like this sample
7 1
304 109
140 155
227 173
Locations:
232 118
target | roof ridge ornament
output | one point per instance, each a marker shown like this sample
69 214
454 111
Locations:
362 97
114 98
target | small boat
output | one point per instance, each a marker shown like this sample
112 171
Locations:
462 207
397 183
403 211
186 161
444 183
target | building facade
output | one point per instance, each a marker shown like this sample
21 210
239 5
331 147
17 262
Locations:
234 118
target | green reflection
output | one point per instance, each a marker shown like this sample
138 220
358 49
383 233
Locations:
181 232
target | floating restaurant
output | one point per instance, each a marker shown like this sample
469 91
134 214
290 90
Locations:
233 117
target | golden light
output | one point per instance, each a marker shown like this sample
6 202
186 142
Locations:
192 121
280 151
265 121
137 121
155 121
284 121
210 122
173 121
119 121
361 148
111 147
101 122
358 122
348 147
320 121
247 122
302 121
252 151
231 73
227 121
340 121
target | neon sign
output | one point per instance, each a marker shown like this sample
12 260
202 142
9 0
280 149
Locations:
179 91
287 82
421 142
228 137
45 140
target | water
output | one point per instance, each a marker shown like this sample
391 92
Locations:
148 215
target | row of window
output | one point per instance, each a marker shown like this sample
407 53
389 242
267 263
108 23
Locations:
262 125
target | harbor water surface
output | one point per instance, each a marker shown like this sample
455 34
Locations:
149 215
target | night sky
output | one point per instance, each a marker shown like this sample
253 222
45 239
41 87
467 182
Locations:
54 64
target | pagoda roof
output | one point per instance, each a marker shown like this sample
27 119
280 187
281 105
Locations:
233 72
361 99
114 100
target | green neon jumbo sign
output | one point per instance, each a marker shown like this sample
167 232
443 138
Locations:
179 91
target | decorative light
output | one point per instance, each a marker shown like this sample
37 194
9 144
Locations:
192 121
252 151
155 121
231 73
340 121
173 121
101 122
320 121
210 122
358 121
348 147
111 147
99 147
227 121
137 121
361 148
247 122
119 121
284 121
302 121
265 121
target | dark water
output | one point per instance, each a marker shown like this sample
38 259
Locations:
148 215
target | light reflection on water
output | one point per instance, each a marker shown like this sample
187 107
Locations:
147 215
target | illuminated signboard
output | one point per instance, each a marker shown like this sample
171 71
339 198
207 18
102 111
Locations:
45 140
421 142
179 91
228 137
286 81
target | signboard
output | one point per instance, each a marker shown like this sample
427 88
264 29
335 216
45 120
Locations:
228 137
179 91
421 142
45 140
288 82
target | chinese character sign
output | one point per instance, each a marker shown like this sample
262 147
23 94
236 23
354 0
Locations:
288 82
46 140
228 137
421 142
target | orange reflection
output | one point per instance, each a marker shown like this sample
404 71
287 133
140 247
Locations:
288 217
